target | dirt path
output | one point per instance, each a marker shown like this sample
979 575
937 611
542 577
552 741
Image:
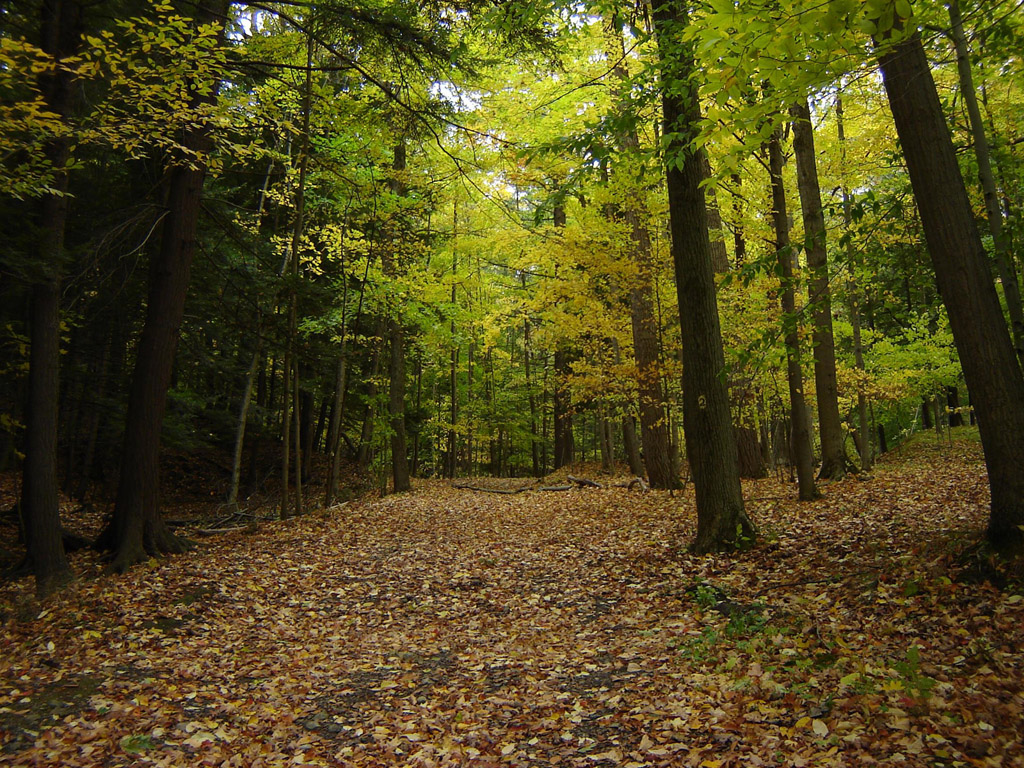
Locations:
450 627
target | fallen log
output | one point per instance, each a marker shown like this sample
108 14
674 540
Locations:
218 531
582 482
482 489
638 481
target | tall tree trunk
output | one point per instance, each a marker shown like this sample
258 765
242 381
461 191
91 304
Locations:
739 239
243 419
722 522
800 441
654 431
630 444
451 462
830 424
531 396
366 435
987 356
719 254
336 429
863 426
136 529
396 338
1007 275
565 448
60 28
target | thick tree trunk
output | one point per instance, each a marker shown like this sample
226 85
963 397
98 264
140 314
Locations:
654 432
1007 275
830 424
136 529
60 28
722 522
800 439
40 510
987 356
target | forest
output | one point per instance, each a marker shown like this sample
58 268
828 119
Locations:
511 382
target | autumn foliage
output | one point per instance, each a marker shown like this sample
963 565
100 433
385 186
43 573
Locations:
452 627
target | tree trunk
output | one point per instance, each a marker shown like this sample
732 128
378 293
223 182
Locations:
136 529
739 240
800 441
396 407
987 356
719 254
1007 275
40 509
565 448
243 418
629 441
830 424
722 522
654 432
863 427
60 33
451 457
531 396
396 338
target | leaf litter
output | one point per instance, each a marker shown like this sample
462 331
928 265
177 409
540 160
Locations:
450 627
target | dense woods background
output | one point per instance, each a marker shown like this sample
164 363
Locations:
450 239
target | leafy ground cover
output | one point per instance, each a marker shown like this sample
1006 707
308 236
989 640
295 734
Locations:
454 627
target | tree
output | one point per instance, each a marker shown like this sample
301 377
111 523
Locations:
654 433
60 32
1007 275
830 426
137 528
722 522
396 342
799 421
986 351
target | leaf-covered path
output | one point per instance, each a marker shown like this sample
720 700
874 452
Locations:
452 627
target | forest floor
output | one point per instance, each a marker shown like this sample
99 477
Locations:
454 627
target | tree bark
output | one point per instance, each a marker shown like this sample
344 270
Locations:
863 427
136 528
654 432
60 33
396 341
243 418
531 396
565 448
987 356
1007 275
800 440
830 424
722 522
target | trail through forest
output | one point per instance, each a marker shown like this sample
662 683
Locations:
454 627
